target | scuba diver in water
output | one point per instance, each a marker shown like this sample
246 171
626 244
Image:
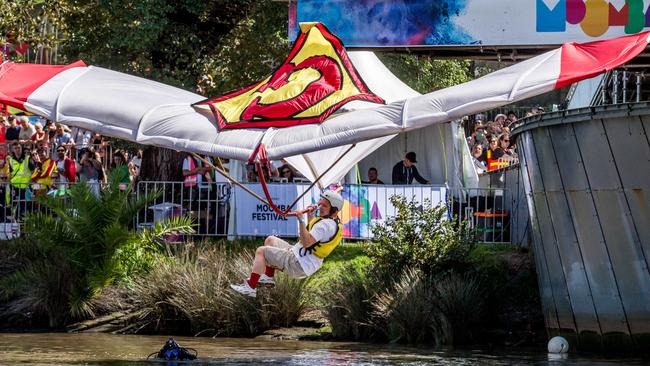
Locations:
318 237
172 351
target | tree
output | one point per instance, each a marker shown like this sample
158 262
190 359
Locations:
77 248
425 74
33 22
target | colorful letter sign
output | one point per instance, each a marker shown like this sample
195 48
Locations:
475 22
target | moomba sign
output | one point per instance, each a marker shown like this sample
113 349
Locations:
473 22
364 206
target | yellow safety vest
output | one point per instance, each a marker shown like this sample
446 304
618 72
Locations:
323 249
20 173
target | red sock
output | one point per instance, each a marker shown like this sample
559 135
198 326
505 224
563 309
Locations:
252 281
270 271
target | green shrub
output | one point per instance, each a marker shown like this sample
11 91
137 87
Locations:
189 293
422 238
74 250
460 298
347 298
408 310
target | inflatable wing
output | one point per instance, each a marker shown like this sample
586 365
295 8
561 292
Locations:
147 112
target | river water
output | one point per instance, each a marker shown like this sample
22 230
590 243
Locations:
98 349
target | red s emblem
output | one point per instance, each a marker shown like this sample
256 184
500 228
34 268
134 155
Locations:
329 82
314 81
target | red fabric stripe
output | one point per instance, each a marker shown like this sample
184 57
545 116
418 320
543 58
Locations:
18 81
586 60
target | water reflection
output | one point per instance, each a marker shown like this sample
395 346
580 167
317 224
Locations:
96 349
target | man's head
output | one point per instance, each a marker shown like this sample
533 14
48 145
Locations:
17 149
330 203
500 118
12 121
372 174
42 153
60 129
410 159
60 152
119 158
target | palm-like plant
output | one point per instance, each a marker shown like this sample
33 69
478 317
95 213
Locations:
76 247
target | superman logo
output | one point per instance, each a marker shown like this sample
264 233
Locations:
312 83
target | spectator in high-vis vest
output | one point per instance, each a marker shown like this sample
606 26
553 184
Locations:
21 167
317 239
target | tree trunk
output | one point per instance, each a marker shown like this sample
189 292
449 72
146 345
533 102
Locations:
160 164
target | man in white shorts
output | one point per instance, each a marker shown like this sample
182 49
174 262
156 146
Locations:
317 240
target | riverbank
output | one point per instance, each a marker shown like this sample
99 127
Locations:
424 280
511 313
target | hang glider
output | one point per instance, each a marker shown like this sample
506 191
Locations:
316 136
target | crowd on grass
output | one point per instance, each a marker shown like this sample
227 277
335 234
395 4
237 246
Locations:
490 143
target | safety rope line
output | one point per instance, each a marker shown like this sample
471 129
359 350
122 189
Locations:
260 152
231 179
321 176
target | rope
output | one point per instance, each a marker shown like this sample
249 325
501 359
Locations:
261 152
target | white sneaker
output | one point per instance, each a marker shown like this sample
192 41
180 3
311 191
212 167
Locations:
245 289
266 280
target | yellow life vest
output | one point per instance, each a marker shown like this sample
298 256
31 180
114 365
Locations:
323 249
20 173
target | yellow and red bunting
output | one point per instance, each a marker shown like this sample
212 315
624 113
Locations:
312 83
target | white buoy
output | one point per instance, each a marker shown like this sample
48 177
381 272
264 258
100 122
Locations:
558 345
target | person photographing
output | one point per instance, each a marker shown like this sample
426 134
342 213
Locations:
318 236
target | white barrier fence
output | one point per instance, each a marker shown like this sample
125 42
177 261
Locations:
222 210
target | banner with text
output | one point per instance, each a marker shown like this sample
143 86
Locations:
365 205
472 22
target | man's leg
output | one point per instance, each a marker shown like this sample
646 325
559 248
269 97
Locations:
249 287
259 266
273 241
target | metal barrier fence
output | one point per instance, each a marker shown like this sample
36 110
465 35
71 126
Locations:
210 205
18 200
485 211
207 204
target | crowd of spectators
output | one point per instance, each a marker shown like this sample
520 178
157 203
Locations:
490 143
276 172
45 157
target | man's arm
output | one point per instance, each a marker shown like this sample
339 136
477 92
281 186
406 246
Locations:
187 171
418 177
305 237
30 163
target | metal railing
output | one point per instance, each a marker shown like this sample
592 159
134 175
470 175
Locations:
485 211
366 205
206 203
210 205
